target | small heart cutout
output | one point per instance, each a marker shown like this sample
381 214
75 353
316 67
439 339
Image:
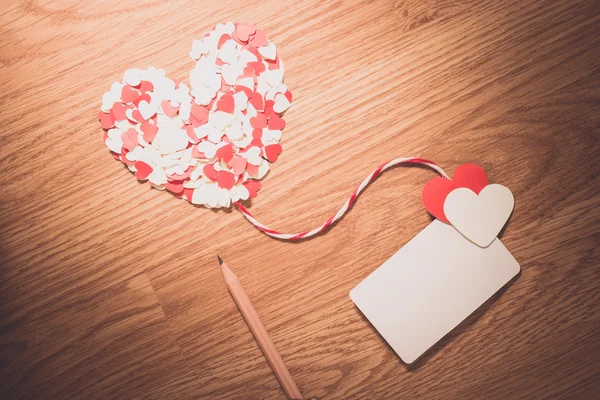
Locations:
253 186
129 94
225 153
276 123
226 103
238 164
256 100
259 122
142 170
225 179
272 152
479 218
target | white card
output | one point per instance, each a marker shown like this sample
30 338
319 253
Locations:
430 286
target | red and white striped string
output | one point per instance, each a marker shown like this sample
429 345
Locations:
347 205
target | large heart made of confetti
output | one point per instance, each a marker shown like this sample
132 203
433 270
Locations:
210 143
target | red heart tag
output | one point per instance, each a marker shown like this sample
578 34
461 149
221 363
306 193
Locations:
471 176
434 195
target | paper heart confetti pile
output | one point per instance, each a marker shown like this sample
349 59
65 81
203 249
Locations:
210 143
476 209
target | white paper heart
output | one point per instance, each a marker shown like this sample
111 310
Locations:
481 217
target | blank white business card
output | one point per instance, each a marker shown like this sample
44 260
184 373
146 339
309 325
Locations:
430 286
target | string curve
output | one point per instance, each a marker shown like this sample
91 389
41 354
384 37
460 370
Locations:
347 205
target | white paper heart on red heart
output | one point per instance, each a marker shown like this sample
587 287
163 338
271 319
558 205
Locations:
479 218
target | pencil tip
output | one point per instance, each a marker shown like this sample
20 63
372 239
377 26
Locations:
220 260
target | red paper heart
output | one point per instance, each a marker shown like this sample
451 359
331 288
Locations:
273 151
259 122
226 103
257 66
269 107
210 172
224 37
471 176
135 116
434 195
107 120
253 186
225 153
256 100
129 94
252 170
276 123
259 39
225 179
174 187
144 97
200 113
146 86
118 110
143 170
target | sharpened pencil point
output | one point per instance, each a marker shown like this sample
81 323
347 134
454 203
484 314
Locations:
220 261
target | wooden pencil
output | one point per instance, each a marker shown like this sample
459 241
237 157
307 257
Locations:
260 333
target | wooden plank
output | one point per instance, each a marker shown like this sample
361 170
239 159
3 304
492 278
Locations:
110 289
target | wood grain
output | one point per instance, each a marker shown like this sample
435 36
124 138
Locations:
111 290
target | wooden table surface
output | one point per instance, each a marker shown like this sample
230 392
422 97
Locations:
111 290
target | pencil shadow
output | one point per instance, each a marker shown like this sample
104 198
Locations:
457 331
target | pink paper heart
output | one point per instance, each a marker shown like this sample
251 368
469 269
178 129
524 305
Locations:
238 164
